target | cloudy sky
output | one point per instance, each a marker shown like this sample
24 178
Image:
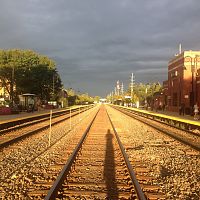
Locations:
97 42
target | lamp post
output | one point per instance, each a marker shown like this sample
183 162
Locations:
196 74
193 65
193 96
112 97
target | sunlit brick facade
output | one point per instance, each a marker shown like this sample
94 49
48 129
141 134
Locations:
184 81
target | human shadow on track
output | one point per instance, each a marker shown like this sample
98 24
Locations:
109 168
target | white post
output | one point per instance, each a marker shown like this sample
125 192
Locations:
70 118
50 128
79 113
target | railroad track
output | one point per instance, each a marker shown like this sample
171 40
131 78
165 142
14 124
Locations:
98 168
163 165
37 145
189 138
86 175
178 123
18 132
16 124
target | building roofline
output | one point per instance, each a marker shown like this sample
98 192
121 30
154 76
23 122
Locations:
176 57
180 56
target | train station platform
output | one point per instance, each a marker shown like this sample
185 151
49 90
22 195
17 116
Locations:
4 118
26 114
174 114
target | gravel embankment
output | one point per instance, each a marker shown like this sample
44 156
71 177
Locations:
31 160
174 166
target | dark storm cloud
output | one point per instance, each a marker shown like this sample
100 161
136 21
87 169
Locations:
97 42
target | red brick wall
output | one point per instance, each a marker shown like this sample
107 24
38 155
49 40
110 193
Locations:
181 83
175 85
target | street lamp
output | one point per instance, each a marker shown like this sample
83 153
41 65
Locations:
196 74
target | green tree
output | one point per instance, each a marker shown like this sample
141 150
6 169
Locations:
29 72
84 99
96 98
142 92
71 97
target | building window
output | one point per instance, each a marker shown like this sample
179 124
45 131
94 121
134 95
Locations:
175 99
174 74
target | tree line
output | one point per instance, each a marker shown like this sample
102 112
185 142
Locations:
141 92
26 71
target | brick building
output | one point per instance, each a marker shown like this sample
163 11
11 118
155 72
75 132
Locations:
184 81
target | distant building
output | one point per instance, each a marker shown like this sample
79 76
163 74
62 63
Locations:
102 100
184 81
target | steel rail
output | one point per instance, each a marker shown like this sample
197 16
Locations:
20 137
139 192
15 123
170 121
60 179
153 117
180 139
52 144
23 122
29 123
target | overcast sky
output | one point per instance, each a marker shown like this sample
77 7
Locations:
97 42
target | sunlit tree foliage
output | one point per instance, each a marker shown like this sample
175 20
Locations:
29 72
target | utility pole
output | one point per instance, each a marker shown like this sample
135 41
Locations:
132 86
122 88
132 83
115 91
112 97
118 88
